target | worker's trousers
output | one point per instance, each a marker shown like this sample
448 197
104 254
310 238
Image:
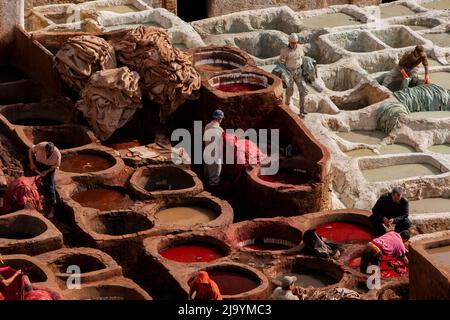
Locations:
395 75
297 79
212 173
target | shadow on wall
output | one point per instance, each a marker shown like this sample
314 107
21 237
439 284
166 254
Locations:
189 10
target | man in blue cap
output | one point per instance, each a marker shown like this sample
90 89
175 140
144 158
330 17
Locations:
214 142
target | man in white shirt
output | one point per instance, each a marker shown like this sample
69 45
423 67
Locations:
291 57
285 291
45 159
213 143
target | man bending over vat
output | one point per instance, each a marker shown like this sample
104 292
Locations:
391 244
45 159
288 290
391 208
202 287
408 67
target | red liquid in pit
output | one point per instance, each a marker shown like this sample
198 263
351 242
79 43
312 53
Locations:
192 253
103 199
84 163
232 282
390 267
285 176
345 232
239 87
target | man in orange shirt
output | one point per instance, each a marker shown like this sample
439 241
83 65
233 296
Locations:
203 287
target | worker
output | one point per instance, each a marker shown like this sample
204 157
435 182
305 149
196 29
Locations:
203 287
45 159
285 292
291 58
214 143
408 66
391 208
391 244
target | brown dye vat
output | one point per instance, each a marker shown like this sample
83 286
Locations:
11 74
104 292
185 216
231 282
86 263
17 235
64 137
214 67
119 223
166 179
85 163
441 255
103 199
288 176
309 278
121 140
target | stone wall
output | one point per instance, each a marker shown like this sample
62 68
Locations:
221 7
10 13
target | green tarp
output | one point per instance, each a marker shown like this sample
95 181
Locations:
421 98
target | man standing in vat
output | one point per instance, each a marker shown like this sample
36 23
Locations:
291 58
213 137
45 159
407 68
391 208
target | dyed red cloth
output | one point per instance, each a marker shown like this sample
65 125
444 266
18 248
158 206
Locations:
245 152
390 267
205 287
21 193
15 290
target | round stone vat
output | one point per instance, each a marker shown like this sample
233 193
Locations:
87 161
21 227
38 114
165 181
239 282
102 198
86 263
398 290
264 235
190 213
119 223
128 138
345 232
107 292
240 83
309 271
341 78
341 226
246 96
196 249
217 58
63 136
36 273
287 177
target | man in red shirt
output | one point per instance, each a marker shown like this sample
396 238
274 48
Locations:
390 244
203 287
45 159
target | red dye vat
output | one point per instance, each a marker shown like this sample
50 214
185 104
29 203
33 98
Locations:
390 267
192 253
232 282
287 176
345 232
239 87
267 246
